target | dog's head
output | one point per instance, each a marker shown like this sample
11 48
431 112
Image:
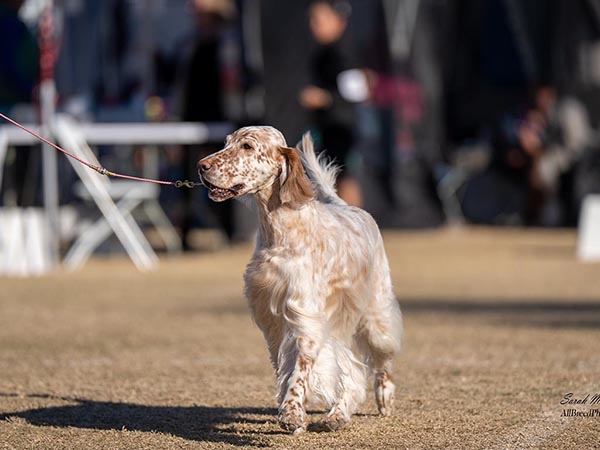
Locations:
253 159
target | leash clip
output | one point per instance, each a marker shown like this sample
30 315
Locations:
186 183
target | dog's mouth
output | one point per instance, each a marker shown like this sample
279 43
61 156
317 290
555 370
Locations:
219 194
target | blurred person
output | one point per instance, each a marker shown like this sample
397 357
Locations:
208 76
19 57
204 89
500 195
569 134
535 150
19 76
333 114
552 136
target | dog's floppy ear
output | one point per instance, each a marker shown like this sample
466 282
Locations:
296 189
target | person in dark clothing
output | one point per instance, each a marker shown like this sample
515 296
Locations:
19 75
332 113
203 92
535 149
203 100
19 57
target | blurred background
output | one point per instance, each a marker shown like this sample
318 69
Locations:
474 122
440 111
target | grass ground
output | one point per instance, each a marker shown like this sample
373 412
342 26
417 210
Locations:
499 326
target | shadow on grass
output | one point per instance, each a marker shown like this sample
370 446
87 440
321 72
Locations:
196 423
550 314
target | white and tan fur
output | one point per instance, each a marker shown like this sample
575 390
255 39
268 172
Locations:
318 283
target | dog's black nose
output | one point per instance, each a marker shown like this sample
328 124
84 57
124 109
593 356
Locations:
204 166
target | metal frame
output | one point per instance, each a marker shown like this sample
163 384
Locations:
116 217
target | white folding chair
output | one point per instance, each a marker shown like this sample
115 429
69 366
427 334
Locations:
116 217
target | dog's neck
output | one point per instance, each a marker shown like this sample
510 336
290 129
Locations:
275 218
268 199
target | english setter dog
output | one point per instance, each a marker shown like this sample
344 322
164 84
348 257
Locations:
318 284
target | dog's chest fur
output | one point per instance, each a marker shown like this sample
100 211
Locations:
296 257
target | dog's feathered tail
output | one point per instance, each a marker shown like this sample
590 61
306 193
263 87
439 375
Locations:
321 172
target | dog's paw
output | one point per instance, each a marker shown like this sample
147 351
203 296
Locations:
292 417
333 421
384 394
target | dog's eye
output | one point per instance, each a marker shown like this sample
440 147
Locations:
246 146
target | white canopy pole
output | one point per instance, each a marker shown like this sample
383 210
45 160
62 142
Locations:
48 56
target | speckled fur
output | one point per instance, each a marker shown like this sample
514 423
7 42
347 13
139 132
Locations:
318 283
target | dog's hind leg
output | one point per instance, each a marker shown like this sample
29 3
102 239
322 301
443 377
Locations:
381 330
352 392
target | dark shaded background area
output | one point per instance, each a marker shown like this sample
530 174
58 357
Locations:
452 84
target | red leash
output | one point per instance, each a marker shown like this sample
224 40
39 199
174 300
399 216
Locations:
102 170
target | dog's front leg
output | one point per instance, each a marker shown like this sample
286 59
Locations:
302 339
293 379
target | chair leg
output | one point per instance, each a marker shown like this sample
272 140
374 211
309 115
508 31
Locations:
163 226
97 233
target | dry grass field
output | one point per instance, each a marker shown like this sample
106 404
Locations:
499 326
